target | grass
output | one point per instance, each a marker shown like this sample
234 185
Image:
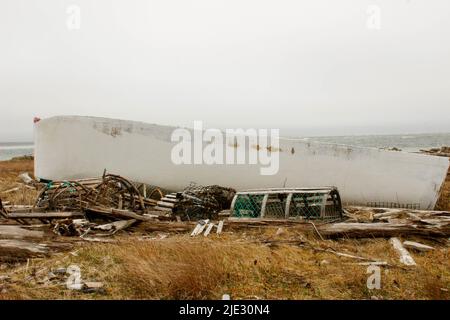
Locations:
181 267
9 171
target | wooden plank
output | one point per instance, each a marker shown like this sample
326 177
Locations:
10 190
20 245
366 230
195 231
162 208
208 230
405 257
199 227
165 204
45 215
417 246
115 226
205 222
122 214
171 200
16 232
220 227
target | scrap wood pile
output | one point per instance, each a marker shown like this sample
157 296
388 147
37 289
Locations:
111 197
365 222
91 207
112 191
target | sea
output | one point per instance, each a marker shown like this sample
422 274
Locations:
404 142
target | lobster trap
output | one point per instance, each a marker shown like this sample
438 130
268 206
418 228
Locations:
288 203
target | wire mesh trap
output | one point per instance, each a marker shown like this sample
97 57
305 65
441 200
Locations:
288 203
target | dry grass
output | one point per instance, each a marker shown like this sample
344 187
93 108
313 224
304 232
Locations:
181 267
9 171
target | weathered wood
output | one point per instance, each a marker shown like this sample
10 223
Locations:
417 246
122 214
165 204
115 226
375 263
23 209
220 227
162 208
171 200
203 226
23 245
45 215
10 190
405 257
196 229
364 230
265 221
17 232
208 229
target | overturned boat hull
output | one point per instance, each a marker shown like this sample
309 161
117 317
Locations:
69 147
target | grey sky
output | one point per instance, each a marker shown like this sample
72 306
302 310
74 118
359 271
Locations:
311 66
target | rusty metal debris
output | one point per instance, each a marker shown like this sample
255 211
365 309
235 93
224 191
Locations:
202 202
112 191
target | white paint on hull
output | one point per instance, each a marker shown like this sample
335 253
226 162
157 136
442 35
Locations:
69 147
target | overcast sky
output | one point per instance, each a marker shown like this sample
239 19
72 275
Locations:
317 67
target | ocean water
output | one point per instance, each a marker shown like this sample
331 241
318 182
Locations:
405 142
10 150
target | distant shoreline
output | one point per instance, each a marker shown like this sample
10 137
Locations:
404 142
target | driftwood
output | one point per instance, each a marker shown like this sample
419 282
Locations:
417 246
405 257
45 215
16 232
440 227
119 214
364 230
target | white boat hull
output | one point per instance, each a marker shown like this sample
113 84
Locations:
70 147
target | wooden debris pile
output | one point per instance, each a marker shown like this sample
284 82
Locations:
112 191
111 196
365 222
